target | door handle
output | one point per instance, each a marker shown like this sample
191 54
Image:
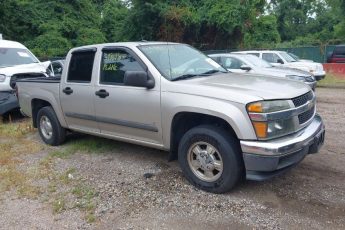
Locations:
67 90
102 93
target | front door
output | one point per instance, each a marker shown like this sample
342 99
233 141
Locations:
127 112
77 92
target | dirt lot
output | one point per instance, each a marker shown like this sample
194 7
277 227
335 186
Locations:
93 183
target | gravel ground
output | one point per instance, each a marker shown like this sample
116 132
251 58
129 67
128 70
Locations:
138 189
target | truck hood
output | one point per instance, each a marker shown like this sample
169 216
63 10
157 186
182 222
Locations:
240 88
27 68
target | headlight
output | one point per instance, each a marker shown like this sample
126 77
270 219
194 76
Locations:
295 77
268 129
268 106
2 78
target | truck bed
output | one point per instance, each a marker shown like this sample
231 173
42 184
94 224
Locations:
41 80
45 88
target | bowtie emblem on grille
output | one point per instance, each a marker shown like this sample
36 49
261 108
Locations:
310 105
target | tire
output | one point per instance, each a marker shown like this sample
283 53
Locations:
49 127
227 151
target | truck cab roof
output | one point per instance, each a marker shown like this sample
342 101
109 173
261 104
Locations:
126 44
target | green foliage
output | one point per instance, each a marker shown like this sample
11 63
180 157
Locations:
51 28
263 33
50 44
115 21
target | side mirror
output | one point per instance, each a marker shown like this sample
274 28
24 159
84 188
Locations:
280 61
138 79
245 67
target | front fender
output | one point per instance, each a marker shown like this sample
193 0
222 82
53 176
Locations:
234 114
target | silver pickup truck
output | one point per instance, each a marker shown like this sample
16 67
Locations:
221 127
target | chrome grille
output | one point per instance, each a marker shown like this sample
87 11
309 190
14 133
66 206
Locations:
301 100
306 116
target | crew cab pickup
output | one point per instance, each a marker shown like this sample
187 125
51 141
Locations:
170 96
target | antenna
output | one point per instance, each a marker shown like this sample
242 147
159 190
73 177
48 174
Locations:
0 36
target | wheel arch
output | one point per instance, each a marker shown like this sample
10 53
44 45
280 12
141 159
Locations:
186 120
37 104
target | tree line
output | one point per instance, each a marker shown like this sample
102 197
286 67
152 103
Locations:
51 28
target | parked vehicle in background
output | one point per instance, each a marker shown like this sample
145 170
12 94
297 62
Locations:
337 55
251 64
220 126
16 62
277 58
294 56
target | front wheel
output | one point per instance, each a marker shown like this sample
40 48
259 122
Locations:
49 127
210 158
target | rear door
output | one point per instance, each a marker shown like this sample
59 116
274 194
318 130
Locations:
77 92
128 112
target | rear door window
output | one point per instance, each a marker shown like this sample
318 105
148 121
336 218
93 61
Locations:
80 67
270 57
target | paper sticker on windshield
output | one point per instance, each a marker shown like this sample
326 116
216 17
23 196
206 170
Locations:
23 54
213 63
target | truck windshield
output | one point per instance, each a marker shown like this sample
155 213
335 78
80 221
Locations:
14 56
179 61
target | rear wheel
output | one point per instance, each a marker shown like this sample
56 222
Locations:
210 158
49 127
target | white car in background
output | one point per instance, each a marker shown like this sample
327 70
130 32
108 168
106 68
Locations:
16 62
278 58
250 64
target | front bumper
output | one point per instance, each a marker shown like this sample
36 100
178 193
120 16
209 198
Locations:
265 159
8 102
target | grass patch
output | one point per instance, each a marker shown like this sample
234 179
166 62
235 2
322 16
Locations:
63 190
85 201
59 205
11 178
18 129
70 193
332 81
92 145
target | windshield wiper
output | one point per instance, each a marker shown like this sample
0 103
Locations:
212 71
184 76
187 76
